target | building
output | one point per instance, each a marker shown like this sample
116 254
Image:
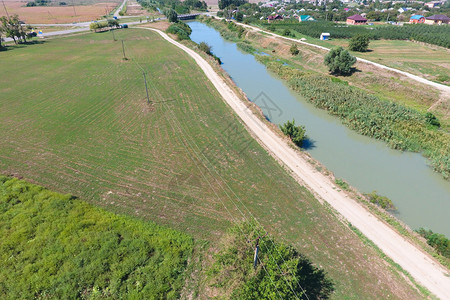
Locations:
274 18
324 36
356 20
437 19
433 4
417 19
303 18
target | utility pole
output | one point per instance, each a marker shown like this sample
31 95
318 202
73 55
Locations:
114 37
4 6
74 11
123 50
255 258
146 89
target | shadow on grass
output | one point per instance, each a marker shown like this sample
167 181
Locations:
10 47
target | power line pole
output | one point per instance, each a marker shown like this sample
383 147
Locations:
123 50
74 11
255 258
114 37
146 89
4 6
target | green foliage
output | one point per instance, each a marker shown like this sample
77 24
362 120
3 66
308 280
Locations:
203 46
245 47
432 120
296 133
343 184
382 201
294 49
359 43
113 23
239 16
12 28
401 127
287 32
182 30
123 11
436 240
436 35
56 247
339 61
226 3
171 15
285 271
38 3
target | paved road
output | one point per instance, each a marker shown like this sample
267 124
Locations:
420 265
116 14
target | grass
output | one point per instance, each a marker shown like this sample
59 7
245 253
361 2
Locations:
58 247
75 119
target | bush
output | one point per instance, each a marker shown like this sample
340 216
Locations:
339 61
382 201
203 46
287 32
171 15
438 241
359 43
284 274
432 120
294 49
297 134
182 30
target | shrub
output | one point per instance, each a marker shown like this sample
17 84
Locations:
339 61
296 133
287 32
382 201
205 48
182 30
294 49
438 241
359 43
284 274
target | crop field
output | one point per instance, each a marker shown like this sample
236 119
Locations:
74 118
81 12
432 62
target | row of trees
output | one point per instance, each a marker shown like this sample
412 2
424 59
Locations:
110 23
12 28
436 35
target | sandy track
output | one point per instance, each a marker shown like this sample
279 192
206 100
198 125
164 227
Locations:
420 265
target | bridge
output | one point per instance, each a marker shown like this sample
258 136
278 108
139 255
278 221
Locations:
187 17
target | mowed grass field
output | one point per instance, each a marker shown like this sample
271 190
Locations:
82 12
432 62
74 118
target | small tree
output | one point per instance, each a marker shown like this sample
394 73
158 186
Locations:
296 133
294 50
205 48
287 32
359 43
239 16
171 15
339 61
113 23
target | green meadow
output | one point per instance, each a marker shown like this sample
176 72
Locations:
74 118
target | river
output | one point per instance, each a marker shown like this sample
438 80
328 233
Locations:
421 195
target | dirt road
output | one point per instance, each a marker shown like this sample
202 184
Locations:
420 265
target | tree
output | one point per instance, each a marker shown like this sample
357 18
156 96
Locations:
339 61
359 43
239 16
294 50
205 48
171 15
12 28
113 23
296 133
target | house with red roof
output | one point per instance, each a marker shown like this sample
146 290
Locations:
274 18
356 20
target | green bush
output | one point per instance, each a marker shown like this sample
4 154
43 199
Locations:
54 246
339 61
359 43
285 270
382 201
294 50
297 134
438 241
182 30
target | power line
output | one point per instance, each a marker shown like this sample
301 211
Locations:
181 131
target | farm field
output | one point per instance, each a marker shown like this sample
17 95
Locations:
81 12
431 62
76 120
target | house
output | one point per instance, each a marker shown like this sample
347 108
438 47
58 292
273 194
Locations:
356 20
274 18
324 36
303 18
437 19
417 19
432 4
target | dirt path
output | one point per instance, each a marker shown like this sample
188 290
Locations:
420 265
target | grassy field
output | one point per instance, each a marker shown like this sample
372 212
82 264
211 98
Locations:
75 119
431 62
64 248
82 12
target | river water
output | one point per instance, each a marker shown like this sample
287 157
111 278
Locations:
421 195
